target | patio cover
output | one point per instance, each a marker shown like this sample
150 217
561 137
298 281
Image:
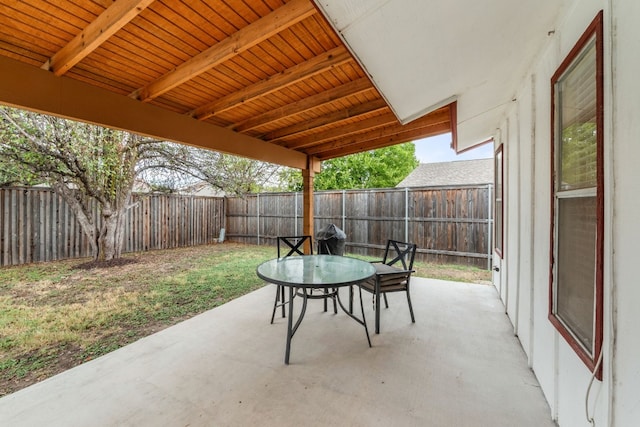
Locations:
268 80
289 82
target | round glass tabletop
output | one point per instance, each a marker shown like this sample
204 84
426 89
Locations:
315 271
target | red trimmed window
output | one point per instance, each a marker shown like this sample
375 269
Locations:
577 210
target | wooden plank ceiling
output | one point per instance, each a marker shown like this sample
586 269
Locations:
269 69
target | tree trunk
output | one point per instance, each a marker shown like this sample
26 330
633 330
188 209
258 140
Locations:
111 233
122 216
106 240
82 212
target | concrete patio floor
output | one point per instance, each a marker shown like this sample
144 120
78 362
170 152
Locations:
458 365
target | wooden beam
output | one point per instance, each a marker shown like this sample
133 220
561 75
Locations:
116 16
357 146
307 204
284 17
327 119
343 131
299 72
439 119
348 89
31 88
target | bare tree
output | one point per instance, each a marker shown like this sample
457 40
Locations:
93 167
84 164
176 165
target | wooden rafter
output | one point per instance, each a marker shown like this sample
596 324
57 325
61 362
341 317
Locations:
116 16
284 17
386 141
350 113
433 124
317 65
371 123
348 89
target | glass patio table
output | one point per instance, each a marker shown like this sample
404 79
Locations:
302 274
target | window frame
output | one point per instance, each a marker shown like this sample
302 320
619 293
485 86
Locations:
593 33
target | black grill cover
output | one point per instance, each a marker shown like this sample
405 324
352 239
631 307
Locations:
331 240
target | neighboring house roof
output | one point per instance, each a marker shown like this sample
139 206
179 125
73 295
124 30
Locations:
462 172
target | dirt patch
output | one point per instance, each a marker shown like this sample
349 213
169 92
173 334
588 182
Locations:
118 262
58 359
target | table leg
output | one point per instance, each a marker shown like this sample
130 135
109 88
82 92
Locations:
291 329
282 300
289 326
350 298
362 321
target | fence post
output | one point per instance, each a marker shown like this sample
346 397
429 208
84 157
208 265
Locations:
406 214
344 208
295 214
258 217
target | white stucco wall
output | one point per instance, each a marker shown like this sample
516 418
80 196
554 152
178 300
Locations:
525 132
526 203
625 153
511 149
544 337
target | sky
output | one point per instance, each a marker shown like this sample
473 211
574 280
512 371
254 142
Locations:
438 149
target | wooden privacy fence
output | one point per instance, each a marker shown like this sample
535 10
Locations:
37 225
449 224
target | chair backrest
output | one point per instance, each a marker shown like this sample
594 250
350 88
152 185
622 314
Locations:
401 252
293 245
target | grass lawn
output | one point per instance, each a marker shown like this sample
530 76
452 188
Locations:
57 315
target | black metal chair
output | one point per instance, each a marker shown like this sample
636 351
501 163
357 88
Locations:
393 274
288 246
294 245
